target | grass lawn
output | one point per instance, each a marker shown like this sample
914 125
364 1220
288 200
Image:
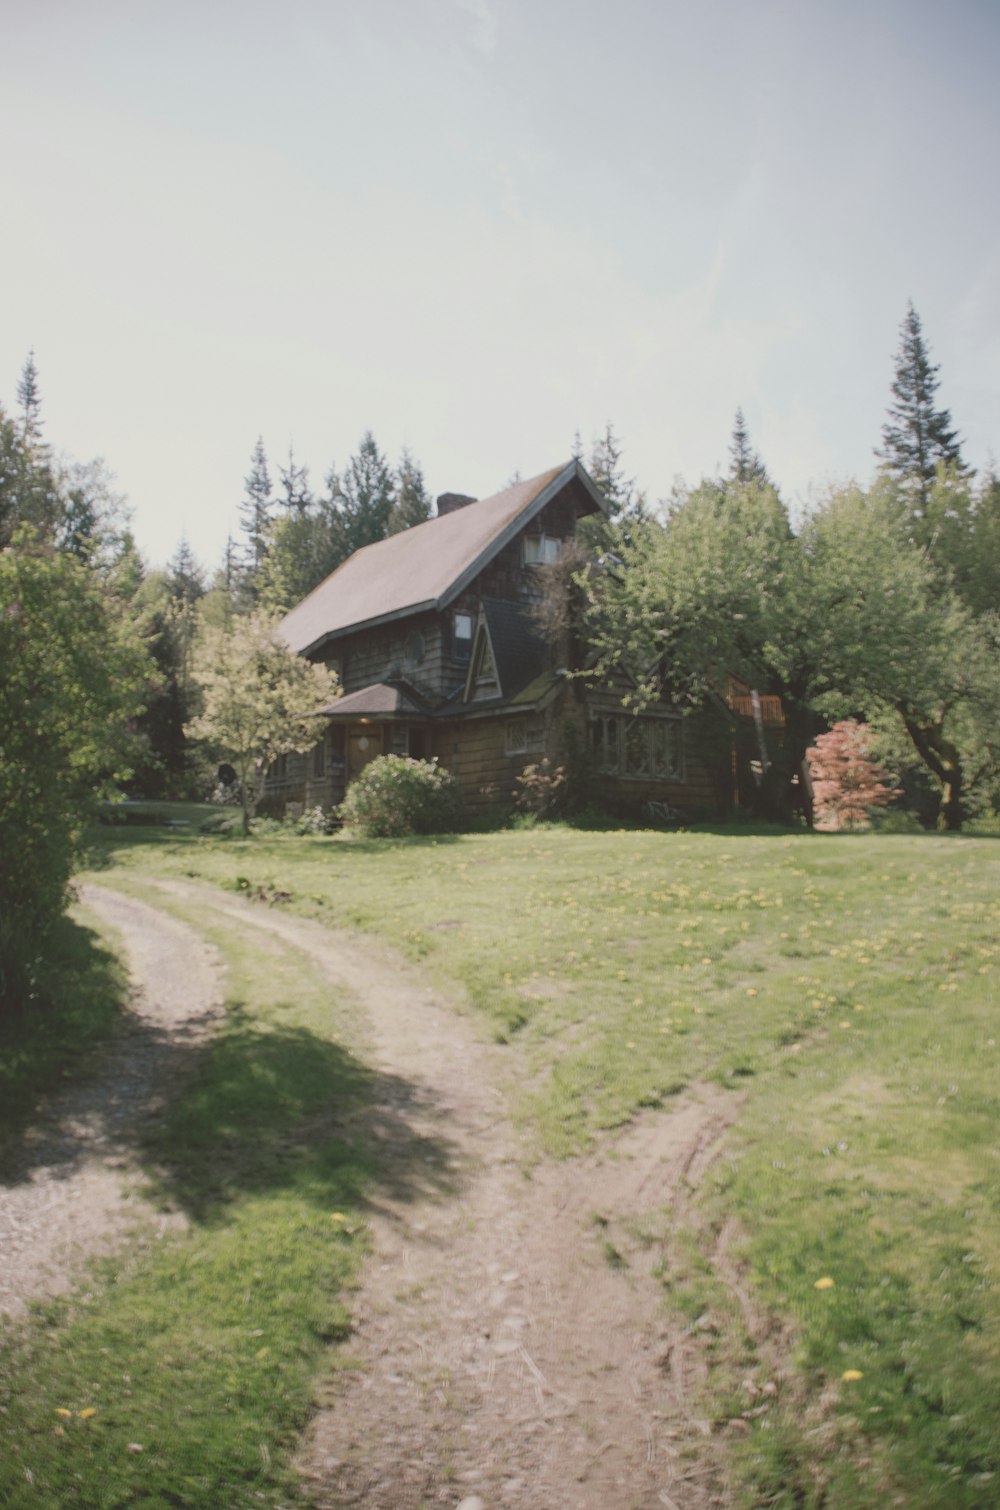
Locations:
183 1371
847 987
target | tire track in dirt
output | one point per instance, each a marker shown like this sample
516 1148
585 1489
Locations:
74 1188
511 1348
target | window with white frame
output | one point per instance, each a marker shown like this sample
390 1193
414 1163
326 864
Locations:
540 550
462 636
645 746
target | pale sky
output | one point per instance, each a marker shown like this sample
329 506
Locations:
478 226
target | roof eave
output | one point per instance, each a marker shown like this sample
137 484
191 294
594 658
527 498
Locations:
428 606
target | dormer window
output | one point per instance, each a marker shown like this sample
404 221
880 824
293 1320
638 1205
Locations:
462 637
540 550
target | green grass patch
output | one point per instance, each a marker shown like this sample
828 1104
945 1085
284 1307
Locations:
846 986
183 1370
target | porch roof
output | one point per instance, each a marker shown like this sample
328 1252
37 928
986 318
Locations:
380 700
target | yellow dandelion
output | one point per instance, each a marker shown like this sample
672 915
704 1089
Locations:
850 1374
337 1216
751 990
826 1283
62 1411
85 1415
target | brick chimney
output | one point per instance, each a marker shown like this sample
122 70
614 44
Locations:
448 502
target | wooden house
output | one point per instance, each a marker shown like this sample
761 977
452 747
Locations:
434 637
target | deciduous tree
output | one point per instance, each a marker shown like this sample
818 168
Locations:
260 699
890 635
72 676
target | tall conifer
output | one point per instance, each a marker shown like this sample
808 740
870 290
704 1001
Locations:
917 436
367 494
413 502
255 510
745 466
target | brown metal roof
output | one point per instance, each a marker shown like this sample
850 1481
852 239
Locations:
428 565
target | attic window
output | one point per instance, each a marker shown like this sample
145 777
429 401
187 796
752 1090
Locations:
541 550
462 636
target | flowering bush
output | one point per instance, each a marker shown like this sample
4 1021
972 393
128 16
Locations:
315 820
395 795
846 783
539 789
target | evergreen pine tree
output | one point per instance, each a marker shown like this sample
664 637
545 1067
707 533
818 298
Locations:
608 471
185 578
297 496
29 492
367 495
745 466
413 502
627 506
255 516
30 399
916 436
78 526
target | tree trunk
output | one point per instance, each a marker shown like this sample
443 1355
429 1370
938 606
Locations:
950 817
943 759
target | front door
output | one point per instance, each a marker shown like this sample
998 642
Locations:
364 742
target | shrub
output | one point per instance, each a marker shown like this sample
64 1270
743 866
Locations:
896 822
395 795
539 789
847 785
315 820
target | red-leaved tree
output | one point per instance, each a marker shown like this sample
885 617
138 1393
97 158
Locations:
847 784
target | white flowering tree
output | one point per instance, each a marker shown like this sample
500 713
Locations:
260 699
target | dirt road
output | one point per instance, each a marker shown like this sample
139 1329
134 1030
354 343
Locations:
512 1351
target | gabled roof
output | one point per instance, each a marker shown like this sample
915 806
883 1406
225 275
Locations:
518 651
426 567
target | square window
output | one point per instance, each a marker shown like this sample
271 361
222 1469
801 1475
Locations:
540 550
517 739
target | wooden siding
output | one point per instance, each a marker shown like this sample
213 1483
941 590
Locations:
475 752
